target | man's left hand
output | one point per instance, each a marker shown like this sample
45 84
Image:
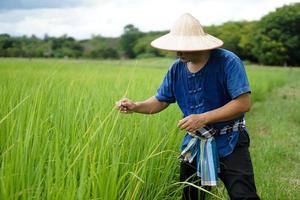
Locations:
192 122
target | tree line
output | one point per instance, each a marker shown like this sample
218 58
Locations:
273 40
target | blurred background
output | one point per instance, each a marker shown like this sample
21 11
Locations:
259 31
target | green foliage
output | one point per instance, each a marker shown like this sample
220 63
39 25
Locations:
100 47
274 129
277 39
129 39
237 37
65 46
246 43
34 47
143 47
104 52
231 34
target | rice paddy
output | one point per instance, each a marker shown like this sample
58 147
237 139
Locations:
62 138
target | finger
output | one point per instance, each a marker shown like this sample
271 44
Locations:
184 126
124 103
181 122
121 108
124 99
193 131
189 128
126 112
118 105
124 108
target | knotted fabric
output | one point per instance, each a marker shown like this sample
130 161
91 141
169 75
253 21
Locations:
203 148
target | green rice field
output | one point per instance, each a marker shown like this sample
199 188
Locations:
62 138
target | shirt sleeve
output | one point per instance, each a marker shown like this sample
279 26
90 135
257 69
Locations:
165 92
236 78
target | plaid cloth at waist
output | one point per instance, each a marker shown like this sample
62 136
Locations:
203 147
208 131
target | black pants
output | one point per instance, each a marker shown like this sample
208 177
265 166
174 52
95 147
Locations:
236 174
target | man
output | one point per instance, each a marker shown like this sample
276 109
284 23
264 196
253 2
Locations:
212 90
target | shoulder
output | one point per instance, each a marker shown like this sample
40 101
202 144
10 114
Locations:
176 66
225 56
228 60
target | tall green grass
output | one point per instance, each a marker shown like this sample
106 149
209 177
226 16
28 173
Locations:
61 138
275 145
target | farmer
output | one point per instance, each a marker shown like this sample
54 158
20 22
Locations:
211 88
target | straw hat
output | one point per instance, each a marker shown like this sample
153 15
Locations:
187 35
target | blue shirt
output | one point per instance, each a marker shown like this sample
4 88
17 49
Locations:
222 79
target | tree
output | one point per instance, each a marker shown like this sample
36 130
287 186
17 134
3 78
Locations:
100 47
104 52
277 40
142 48
230 32
237 37
65 46
246 42
128 40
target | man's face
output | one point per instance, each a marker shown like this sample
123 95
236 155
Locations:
187 56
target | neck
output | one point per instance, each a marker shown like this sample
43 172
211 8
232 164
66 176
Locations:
199 61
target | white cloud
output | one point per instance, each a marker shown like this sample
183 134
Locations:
109 17
33 4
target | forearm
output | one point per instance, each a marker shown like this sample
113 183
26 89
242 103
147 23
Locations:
150 106
229 111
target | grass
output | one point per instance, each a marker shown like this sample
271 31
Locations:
60 137
275 146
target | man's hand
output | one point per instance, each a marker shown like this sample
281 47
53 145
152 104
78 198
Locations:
192 122
149 106
126 106
229 111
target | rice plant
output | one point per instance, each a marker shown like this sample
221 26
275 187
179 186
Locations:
61 137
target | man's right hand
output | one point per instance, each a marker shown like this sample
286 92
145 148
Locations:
149 106
126 106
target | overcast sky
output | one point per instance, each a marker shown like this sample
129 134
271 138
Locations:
84 18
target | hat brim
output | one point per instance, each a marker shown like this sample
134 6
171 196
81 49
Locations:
171 42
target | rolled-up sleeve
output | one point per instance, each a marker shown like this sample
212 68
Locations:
165 92
236 78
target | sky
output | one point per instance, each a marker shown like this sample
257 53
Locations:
84 18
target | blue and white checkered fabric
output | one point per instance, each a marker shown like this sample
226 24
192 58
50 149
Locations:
203 147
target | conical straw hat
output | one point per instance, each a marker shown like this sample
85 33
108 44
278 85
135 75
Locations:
187 35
